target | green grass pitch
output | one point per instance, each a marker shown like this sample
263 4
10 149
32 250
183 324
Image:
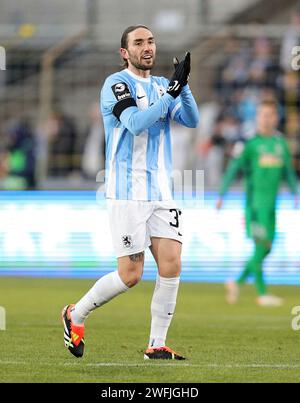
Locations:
242 343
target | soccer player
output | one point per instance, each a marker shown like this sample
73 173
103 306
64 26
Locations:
264 161
137 108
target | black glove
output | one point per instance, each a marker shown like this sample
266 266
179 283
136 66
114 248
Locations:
187 65
181 75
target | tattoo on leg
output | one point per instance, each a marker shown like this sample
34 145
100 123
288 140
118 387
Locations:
137 257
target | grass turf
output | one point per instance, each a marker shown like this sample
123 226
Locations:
242 343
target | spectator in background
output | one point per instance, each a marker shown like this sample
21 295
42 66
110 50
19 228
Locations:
293 139
63 143
263 69
93 157
19 159
290 39
296 149
244 75
216 150
232 75
246 105
289 99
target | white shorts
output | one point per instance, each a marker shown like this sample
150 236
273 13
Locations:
133 223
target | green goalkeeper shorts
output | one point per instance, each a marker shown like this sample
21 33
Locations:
261 223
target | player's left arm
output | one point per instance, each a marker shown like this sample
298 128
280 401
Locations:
289 171
184 110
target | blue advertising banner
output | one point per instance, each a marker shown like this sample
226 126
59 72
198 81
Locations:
66 234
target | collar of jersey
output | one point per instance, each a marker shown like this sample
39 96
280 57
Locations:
145 80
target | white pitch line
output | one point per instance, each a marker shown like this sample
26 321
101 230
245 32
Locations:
232 366
117 364
157 364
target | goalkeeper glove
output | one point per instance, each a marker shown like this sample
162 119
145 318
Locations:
181 75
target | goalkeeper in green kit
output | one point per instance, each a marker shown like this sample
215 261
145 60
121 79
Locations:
264 160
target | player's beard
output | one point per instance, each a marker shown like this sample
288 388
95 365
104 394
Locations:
138 65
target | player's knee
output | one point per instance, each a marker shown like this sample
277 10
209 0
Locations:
133 278
170 267
263 247
131 269
266 248
131 274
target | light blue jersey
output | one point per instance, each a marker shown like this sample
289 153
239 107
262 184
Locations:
136 113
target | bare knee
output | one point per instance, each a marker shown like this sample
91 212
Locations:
131 269
170 267
132 279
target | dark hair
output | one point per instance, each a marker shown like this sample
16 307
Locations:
124 37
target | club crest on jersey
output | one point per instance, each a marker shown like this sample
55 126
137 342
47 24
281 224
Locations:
161 91
121 91
127 241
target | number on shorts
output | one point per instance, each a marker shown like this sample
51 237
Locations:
176 217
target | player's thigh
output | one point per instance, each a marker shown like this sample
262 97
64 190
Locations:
167 254
165 231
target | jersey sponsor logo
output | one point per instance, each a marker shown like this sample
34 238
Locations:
120 87
270 161
127 241
121 91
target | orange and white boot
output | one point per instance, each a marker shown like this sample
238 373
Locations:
73 334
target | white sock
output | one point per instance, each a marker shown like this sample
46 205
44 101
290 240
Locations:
105 289
162 309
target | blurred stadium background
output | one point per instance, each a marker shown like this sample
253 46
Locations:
58 54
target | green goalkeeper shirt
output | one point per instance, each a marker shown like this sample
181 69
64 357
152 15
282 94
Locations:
264 161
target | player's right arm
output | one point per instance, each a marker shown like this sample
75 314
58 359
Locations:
117 99
236 164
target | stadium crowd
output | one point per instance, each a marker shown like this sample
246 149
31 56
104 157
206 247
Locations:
253 71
